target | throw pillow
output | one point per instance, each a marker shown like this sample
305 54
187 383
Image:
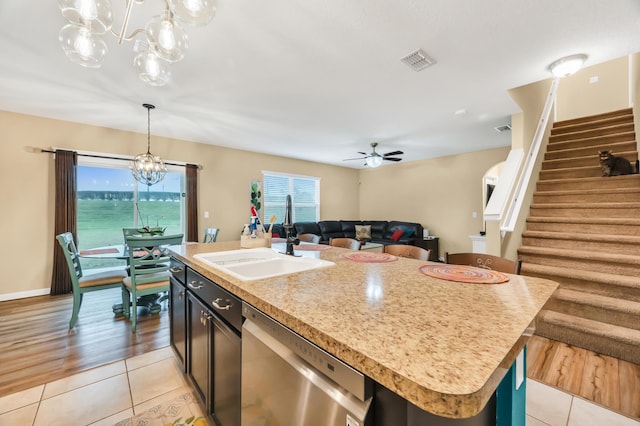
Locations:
397 234
407 231
363 232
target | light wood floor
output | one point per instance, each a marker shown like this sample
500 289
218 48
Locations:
36 347
612 383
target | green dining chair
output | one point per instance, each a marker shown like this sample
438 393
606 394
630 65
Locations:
210 235
149 271
127 232
82 283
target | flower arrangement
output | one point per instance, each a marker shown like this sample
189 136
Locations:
147 229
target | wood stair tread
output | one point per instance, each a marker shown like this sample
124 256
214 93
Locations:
586 220
594 118
597 300
561 272
621 334
591 141
594 179
620 191
592 157
626 239
602 205
581 254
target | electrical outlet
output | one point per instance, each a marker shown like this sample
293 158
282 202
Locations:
206 215
474 215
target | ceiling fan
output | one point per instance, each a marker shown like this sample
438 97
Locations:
374 159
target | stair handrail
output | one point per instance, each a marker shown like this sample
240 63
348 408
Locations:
515 205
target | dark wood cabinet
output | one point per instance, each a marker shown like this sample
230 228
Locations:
213 348
430 244
178 312
177 321
200 348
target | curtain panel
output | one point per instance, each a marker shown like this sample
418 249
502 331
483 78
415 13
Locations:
192 202
66 219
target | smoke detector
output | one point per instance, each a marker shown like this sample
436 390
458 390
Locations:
504 128
418 60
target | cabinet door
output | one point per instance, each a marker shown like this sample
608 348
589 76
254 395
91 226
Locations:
178 321
199 349
226 374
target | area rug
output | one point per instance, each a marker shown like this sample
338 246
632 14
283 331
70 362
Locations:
464 274
368 257
181 411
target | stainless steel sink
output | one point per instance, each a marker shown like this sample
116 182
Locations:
259 263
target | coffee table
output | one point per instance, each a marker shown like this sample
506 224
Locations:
373 247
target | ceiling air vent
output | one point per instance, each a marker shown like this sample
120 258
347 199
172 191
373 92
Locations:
505 128
418 60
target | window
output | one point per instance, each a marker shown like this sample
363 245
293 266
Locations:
305 196
109 199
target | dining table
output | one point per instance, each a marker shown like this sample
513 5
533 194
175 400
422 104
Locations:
121 251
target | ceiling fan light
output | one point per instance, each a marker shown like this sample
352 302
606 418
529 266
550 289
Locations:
94 14
194 12
167 37
373 161
82 47
151 69
568 65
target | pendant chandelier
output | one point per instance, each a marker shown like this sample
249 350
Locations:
148 168
165 40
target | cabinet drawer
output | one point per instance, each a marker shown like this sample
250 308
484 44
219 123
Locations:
178 270
219 300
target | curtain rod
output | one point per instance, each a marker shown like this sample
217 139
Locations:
108 157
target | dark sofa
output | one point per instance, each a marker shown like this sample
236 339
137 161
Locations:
382 231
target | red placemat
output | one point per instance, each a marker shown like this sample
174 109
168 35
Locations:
368 257
98 251
464 274
312 247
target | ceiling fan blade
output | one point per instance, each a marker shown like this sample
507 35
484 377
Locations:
363 153
393 153
392 159
348 159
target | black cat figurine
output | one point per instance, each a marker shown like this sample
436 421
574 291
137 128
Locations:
614 166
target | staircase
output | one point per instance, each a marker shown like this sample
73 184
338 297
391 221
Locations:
584 232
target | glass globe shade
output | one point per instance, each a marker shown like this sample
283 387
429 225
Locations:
194 12
568 65
82 47
374 160
166 38
148 168
151 69
94 14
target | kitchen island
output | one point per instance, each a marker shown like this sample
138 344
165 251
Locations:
442 346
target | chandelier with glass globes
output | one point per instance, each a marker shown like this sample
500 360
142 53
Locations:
165 40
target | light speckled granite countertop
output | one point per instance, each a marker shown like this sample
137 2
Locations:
444 346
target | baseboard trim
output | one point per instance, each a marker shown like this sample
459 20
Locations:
24 294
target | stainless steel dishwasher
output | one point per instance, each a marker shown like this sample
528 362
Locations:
287 380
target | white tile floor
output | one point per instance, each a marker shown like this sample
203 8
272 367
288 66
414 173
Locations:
105 395
549 406
99 397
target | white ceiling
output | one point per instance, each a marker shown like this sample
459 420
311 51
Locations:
318 79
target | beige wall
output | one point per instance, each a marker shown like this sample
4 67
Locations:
577 97
28 191
440 193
